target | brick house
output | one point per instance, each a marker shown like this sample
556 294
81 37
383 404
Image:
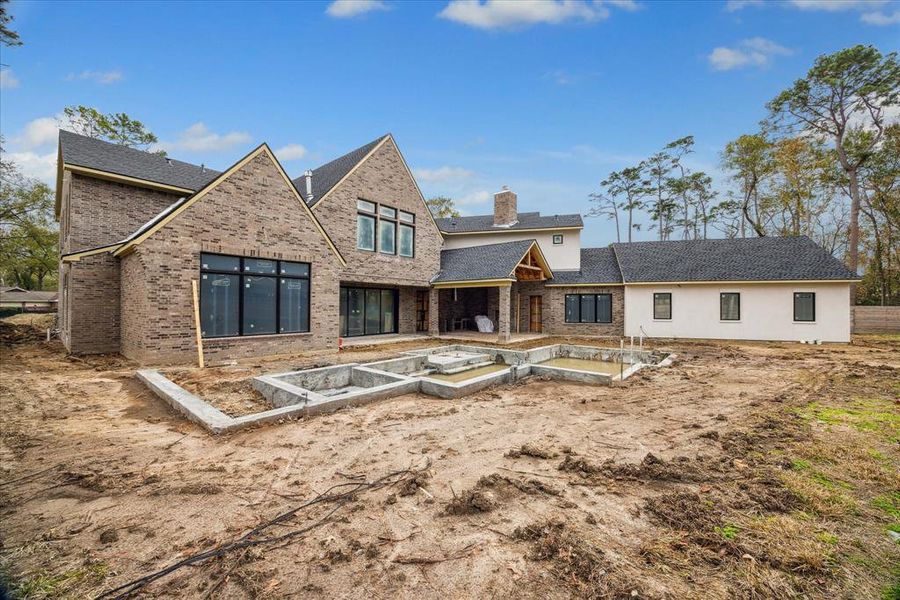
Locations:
350 249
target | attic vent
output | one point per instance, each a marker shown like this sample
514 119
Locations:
169 161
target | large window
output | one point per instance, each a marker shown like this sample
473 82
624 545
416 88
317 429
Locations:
367 311
662 306
588 308
391 230
252 296
804 306
730 306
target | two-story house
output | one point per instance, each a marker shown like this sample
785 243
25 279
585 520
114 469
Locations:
159 256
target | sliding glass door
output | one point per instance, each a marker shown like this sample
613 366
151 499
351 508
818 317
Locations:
368 311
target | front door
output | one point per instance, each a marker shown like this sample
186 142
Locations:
422 310
536 314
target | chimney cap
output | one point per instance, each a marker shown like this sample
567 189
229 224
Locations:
307 173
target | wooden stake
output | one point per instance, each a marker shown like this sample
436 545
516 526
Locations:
196 296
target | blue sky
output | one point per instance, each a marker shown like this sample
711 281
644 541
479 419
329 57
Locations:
546 97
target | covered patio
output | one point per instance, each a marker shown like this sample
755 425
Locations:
474 293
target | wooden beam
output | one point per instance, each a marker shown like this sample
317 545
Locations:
196 296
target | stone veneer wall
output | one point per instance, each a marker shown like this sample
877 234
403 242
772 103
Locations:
252 213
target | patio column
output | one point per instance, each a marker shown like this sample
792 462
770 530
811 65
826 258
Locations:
433 312
503 326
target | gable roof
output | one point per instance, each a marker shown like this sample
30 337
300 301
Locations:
490 262
743 259
82 151
526 221
175 209
325 177
598 266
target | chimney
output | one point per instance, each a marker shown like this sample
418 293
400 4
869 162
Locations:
505 210
307 180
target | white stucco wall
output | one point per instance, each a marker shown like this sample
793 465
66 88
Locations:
767 312
564 256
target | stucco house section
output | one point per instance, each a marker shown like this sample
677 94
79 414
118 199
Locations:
747 289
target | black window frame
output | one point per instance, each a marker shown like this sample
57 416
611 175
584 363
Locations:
278 276
655 316
377 217
577 319
722 306
796 295
560 236
343 307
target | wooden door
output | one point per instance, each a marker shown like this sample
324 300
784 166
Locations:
421 310
536 314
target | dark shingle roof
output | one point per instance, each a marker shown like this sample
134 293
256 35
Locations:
88 152
492 261
747 259
529 220
598 265
326 177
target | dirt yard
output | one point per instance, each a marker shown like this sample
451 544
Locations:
744 470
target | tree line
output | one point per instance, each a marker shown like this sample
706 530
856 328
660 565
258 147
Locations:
825 163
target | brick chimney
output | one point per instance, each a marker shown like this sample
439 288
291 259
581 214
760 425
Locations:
505 210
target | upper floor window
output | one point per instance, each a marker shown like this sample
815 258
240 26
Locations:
391 230
252 296
662 306
557 239
804 306
730 306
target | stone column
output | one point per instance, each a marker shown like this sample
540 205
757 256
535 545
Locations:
503 325
433 312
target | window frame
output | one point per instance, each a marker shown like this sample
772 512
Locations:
658 318
344 304
561 239
278 276
400 219
577 317
813 320
722 306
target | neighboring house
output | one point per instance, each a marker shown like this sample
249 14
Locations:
350 249
27 301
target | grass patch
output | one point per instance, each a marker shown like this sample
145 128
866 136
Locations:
866 415
889 503
57 585
728 531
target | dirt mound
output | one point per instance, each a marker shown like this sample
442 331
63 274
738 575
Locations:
574 561
491 491
531 450
651 468
12 334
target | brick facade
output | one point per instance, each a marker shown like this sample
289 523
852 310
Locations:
505 207
96 212
382 178
553 306
251 213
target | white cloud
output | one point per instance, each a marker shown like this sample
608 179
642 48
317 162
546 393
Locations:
836 5
102 77
736 5
8 81
479 197
502 14
37 166
290 152
560 77
442 174
346 9
881 19
198 138
629 5
753 52
39 133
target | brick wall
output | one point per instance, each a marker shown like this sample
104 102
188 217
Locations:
96 212
252 213
382 178
554 309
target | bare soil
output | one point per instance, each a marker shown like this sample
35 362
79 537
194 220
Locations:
744 470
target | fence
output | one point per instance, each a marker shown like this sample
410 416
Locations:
876 319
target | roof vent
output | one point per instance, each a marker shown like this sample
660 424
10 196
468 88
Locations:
169 161
307 180
202 168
